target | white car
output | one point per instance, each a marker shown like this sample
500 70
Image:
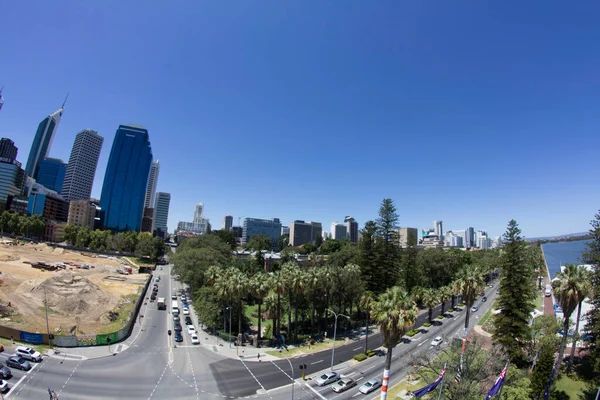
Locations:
437 341
3 386
370 386
195 339
191 330
186 311
28 353
327 378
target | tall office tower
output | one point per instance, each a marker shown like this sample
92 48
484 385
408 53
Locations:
267 227
1 98
199 213
81 168
437 228
126 178
470 237
42 141
161 211
152 181
227 222
338 231
351 229
8 150
304 232
51 174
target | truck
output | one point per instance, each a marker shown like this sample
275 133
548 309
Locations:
161 304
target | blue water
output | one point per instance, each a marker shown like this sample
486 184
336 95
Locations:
562 253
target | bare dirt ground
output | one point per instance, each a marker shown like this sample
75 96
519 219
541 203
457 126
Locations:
76 297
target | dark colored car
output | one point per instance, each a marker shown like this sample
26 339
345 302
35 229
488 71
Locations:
484 298
188 320
18 362
178 337
177 327
5 372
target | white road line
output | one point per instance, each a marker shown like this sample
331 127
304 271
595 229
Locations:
316 362
456 318
421 344
357 394
27 375
358 348
350 374
317 393
257 381
371 367
159 379
67 381
362 377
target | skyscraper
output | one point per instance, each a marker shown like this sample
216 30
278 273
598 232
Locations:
199 213
338 231
82 165
51 173
351 229
126 178
267 227
437 228
470 237
227 222
152 181
42 141
8 150
304 232
161 211
1 98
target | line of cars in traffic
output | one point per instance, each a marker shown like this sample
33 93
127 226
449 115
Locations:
342 384
191 330
22 360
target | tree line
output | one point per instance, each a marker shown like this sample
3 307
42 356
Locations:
22 225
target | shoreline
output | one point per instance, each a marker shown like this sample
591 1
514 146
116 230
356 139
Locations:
549 281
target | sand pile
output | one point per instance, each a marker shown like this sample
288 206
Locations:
8 257
69 293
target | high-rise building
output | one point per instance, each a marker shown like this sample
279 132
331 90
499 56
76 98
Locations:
267 227
199 212
152 181
126 178
82 213
8 150
453 239
81 168
227 222
470 237
285 230
42 141
351 229
404 234
51 173
1 99
338 231
304 232
463 234
147 220
12 182
161 211
48 206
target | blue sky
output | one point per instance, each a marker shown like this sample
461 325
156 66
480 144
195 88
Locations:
468 112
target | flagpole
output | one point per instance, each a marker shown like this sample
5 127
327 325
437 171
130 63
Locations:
502 387
442 387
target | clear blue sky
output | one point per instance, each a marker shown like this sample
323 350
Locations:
470 112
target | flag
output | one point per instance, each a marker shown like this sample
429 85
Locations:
423 391
457 378
498 385
547 390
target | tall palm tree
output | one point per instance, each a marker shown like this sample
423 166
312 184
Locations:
239 289
211 274
567 292
469 281
314 284
585 290
290 273
366 302
430 299
259 288
270 303
278 286
444 294
394 311
297 286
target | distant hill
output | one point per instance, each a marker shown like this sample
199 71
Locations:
561 238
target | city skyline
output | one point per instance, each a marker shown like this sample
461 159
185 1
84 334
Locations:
453 121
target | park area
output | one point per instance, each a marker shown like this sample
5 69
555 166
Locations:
85 292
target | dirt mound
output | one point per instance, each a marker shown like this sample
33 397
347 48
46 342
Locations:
58 250
69 293
8 257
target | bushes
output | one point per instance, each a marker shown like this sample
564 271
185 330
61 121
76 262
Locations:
427 324
440 317
370 353
360 357
412 333
460 305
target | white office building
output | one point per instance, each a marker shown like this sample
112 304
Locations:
452 239
81 168
338 231
161 211
152 182
437 229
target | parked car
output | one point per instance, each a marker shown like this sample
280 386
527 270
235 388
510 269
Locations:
327 378
5 372
28 353
484 298
343 385
497 291
177 327
370 386
3 386
186 311
188 320
176 318
195 339
18 362
178 337
437 341
191 330
474 308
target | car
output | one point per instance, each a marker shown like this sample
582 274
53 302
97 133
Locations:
482 293
173 296
3 386
370 386
195 339
474 308
484 298
497 291
186 311
343 385
327 378
18 362
177 327
183 298
5 372
176 318
188 320
191 330
548 292
157 279
28 353
437 341
490 285
178 337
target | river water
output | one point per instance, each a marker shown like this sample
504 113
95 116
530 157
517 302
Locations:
561 253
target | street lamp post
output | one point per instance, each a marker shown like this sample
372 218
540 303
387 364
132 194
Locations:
47 324
229 308
292 368
334 333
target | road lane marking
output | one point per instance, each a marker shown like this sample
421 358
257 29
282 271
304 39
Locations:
157 383
316 362
420 344
357 394
67 381
358 348
27 375
317 393
359 378
257 381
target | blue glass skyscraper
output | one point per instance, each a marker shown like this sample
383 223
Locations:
42 141
51 173
126 178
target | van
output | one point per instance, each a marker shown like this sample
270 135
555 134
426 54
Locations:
174 307
548 292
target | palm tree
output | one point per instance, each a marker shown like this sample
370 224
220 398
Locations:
278 285
444 294
259 287
239 289
211 274
314 284
270 304
366 302
297 284
585 290
394 311
290 272
469 281
430 299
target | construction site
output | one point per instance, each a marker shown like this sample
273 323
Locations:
85 293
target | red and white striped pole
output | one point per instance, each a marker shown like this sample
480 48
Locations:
384 386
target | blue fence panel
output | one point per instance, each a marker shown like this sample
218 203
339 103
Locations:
33 338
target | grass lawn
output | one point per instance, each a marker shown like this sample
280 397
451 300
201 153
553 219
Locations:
124 315
487 314
305 350
539 300
395 390
249 310
571 386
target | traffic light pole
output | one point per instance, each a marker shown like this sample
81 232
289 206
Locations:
292 368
